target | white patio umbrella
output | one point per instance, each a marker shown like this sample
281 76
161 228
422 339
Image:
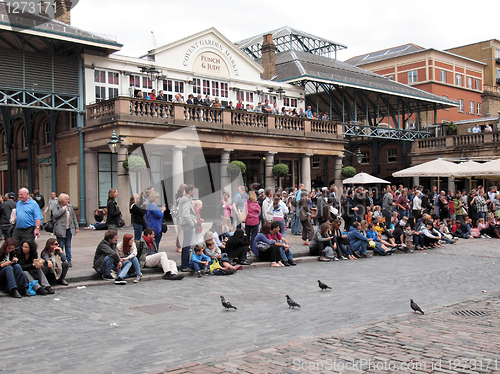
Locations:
488 168
468 169
364 178
434 168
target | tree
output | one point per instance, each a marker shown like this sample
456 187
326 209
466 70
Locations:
348 172
235 167
134 163
451 128
280 170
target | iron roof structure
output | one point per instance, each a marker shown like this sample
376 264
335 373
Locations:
287 38
384 54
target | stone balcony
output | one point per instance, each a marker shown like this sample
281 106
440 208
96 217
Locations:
154 112
481 144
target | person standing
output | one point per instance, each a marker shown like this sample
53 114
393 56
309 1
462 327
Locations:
5 212
28 218
51 204
154 216
65 224
137 214
39 199
187 221
239 203
114 213
387 204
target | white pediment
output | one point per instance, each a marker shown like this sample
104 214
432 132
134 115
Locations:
208 53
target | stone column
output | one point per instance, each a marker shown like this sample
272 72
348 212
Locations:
177 167
123 185
225 179
306 171
338 175
451 185
270 178
416 181
189 169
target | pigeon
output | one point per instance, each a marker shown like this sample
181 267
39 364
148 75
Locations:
226 304
291 303
415 307
323 286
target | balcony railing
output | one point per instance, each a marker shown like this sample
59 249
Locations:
162 112
459 141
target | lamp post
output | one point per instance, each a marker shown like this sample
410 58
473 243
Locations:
115 142
359 156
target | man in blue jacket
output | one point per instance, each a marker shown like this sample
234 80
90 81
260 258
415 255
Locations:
358 241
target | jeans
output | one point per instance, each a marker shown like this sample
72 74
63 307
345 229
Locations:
345 248
282 227
186 245
482 215
12 277
107 265
65 244
286 255
359 246
158 239
197 266
137 231
297 225
126 265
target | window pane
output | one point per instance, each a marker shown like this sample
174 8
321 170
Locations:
104 162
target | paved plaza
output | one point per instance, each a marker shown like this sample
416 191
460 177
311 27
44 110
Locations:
157 326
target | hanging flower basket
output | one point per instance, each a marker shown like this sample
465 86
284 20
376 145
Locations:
280 170
235 167
348 172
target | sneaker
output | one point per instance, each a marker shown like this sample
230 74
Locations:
487 236
483 236
120 281
107 277
336 259
199 274
187 270
49 290
138 279
344 258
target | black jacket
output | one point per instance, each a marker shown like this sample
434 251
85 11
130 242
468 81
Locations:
5 211
137 215
113 213
104 249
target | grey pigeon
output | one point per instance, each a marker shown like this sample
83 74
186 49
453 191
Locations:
415 307
323 286
226 304
291 303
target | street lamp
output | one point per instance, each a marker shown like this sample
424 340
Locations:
115 142
359 156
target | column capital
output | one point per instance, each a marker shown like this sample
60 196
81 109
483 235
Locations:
180 147
227 150
272 153
308 155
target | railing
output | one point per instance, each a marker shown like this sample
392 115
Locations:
202 113
289 123
385 132
441 143
101 109
323 127
249 119
151 108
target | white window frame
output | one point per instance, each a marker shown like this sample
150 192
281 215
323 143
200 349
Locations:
478 107
443 76
366 158
471 107
315 161
290 102
413 76
106 83
470 83
460 105
391 77
459 80
478 84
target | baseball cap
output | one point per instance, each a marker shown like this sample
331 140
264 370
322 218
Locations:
11 195
261 190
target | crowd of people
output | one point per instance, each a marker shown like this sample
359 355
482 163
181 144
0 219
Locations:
334 226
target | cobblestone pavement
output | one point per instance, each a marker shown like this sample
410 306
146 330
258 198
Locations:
152 326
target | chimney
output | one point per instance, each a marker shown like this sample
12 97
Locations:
63 9
268 57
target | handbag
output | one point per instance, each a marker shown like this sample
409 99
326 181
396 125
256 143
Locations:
243 215
49 226
57 269
164 226
262 246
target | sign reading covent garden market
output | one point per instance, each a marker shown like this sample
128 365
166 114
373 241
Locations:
209 62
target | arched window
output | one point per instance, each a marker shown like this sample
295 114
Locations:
24 141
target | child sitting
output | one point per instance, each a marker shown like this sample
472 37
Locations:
199 261
380 249
213 251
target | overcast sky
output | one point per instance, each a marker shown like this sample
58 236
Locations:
362 25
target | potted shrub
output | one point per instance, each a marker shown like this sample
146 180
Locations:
348 172
235 167
280 170
134 163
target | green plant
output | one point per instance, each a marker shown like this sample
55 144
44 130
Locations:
134 163
280 170
348 172
235 167
451 128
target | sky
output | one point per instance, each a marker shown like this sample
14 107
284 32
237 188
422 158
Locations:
362 25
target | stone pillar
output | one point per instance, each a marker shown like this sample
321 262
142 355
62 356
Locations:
270 178
225 179
91 182
123 185
177 167
188 169
451 185
338 175
306 171
416 181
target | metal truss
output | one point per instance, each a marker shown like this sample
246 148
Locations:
358 129
35 99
